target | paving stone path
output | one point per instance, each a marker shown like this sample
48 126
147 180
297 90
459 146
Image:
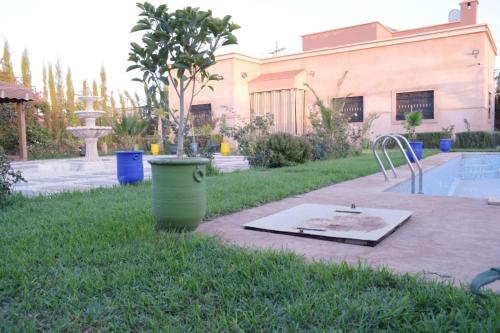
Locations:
75 174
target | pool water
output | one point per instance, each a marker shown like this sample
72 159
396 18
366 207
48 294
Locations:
471 175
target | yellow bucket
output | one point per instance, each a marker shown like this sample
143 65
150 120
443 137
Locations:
225 149
155 148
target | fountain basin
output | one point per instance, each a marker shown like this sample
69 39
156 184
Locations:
89 114
84 132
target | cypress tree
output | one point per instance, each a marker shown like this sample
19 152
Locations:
134 106
114 111
7 72
123 105
25 69
104 92
54 103
95 92
61 102
46 110
70 99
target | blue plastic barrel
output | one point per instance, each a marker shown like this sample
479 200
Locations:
129 167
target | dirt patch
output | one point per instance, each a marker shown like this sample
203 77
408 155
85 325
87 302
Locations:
356 222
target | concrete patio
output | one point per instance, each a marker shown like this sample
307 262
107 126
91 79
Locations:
75 174
448 238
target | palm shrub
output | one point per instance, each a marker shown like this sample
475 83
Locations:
412 121
129 129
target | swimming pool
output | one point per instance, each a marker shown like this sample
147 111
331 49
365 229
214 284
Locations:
474 175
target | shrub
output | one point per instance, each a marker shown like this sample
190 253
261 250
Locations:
330 124
8 177
477 139
317 145
430 139
285 149
250 134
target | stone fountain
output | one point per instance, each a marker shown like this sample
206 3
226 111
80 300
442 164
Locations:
90 132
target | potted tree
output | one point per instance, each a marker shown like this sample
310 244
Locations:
446 142
178 51
129 162
412 121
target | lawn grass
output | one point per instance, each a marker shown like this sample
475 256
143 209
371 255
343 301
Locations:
93 261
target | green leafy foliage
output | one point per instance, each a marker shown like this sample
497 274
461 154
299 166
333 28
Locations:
177 49
330 124
8 177
129 129
358 134
412 121
251 136
477 139
284 149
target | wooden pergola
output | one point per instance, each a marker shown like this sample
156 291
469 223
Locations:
18 94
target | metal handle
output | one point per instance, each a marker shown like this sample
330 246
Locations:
198 175
398 138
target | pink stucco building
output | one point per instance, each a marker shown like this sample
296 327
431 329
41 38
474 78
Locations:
445 70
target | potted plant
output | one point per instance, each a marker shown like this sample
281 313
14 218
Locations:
158 146
178 51
172 145
224 133
129 162
446 142
412 121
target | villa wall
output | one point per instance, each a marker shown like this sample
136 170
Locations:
440 61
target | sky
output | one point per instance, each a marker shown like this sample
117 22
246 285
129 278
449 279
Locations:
86 35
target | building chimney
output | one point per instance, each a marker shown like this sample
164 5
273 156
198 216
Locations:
468 12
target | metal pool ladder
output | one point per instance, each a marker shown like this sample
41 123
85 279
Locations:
398 138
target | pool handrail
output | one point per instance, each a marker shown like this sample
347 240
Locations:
397 138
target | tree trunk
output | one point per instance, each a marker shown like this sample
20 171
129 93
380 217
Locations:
180 133
160 133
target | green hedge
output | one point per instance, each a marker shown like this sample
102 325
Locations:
430 139
477 139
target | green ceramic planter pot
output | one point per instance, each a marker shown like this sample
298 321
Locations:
179 192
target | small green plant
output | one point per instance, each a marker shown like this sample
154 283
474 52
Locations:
412 121
8 177
330 124
359 134
251 134
279 150
286 150
448 131
129 129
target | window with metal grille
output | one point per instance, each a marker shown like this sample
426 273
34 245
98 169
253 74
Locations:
415 101
353 109
202 114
